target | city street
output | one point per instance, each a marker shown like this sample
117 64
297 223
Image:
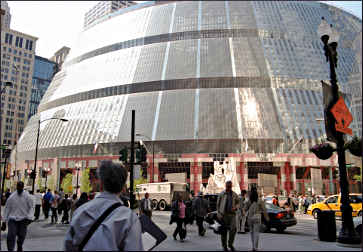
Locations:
302 237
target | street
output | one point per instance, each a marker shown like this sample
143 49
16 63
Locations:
302 237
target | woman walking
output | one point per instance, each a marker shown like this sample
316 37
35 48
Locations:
255 208
178 216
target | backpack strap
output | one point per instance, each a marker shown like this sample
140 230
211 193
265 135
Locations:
97 224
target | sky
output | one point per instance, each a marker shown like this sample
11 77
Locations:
57 23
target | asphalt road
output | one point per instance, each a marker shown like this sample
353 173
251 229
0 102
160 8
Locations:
43 236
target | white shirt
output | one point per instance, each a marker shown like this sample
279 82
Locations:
38 198
147 204
19 207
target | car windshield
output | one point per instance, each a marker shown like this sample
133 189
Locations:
272 206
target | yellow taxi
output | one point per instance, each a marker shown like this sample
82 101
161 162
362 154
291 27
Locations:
333 203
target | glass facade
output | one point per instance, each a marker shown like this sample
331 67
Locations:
203 77
42 76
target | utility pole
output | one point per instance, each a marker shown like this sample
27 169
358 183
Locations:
132 160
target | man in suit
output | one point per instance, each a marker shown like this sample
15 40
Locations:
145 206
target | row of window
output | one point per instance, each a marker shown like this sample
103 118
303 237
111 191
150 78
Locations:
16 52
18 41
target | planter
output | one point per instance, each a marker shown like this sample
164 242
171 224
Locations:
323 151
354 146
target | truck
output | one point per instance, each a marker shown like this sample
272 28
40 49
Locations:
161 194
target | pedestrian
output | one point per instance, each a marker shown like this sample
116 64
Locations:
18 213
7 194
227 206
121 228
200 211
73 204
54 207
301 203
241 213
306 204
178 216
46 202
60 201
145 206
255 208
82 199
289 205
275 201
38 204
66 207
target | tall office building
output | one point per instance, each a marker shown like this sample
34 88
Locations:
103 8
60 56
6 18
44 71
17 62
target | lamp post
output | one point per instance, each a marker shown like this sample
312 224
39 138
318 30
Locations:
78 168
347 233
36 146
152 169
2 90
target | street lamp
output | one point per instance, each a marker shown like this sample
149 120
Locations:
2 90
347 233
78 168
46 171
152 169
36 146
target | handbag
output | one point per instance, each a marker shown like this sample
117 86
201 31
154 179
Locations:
97 224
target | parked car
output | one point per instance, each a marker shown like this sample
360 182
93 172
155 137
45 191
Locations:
280 218
333 203
282 199
357 221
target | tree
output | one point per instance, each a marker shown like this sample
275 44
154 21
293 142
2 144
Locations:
140 180
67 183
85 182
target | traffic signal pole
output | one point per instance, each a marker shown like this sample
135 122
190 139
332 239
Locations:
132 160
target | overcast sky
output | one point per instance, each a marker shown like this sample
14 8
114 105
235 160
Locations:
57 23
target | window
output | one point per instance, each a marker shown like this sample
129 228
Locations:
21 42
355 199
332 200
8 38
31 45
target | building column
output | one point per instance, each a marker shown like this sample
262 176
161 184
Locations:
293 178
283 177
244 176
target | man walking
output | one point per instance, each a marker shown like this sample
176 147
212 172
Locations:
46 202
38 203
200 210
227 206
145 206
54 207
241 214
18 213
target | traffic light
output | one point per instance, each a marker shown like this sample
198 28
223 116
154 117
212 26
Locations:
140 154
143 154
123 155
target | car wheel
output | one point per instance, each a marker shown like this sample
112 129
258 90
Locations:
162 205
280 229
315 213
358 229
154 204
360 213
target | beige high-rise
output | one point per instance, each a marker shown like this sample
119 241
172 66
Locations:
17 62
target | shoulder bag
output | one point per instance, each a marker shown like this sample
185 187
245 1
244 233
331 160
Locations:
97 224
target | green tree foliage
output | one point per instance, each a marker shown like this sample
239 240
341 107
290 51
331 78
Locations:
50 183
85 182
140 180
67 183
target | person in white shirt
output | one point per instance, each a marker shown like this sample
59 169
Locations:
145 206
18 213
38 204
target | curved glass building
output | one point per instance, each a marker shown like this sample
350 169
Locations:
208 80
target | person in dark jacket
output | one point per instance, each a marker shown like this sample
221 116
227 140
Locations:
66 207
82 199
200 210
178 215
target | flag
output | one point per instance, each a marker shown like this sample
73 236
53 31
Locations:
95 148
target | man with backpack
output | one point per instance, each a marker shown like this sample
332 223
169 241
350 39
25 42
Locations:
121 229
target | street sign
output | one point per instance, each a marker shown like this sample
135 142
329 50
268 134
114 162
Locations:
342 116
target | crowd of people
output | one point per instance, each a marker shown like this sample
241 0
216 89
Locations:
234 213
